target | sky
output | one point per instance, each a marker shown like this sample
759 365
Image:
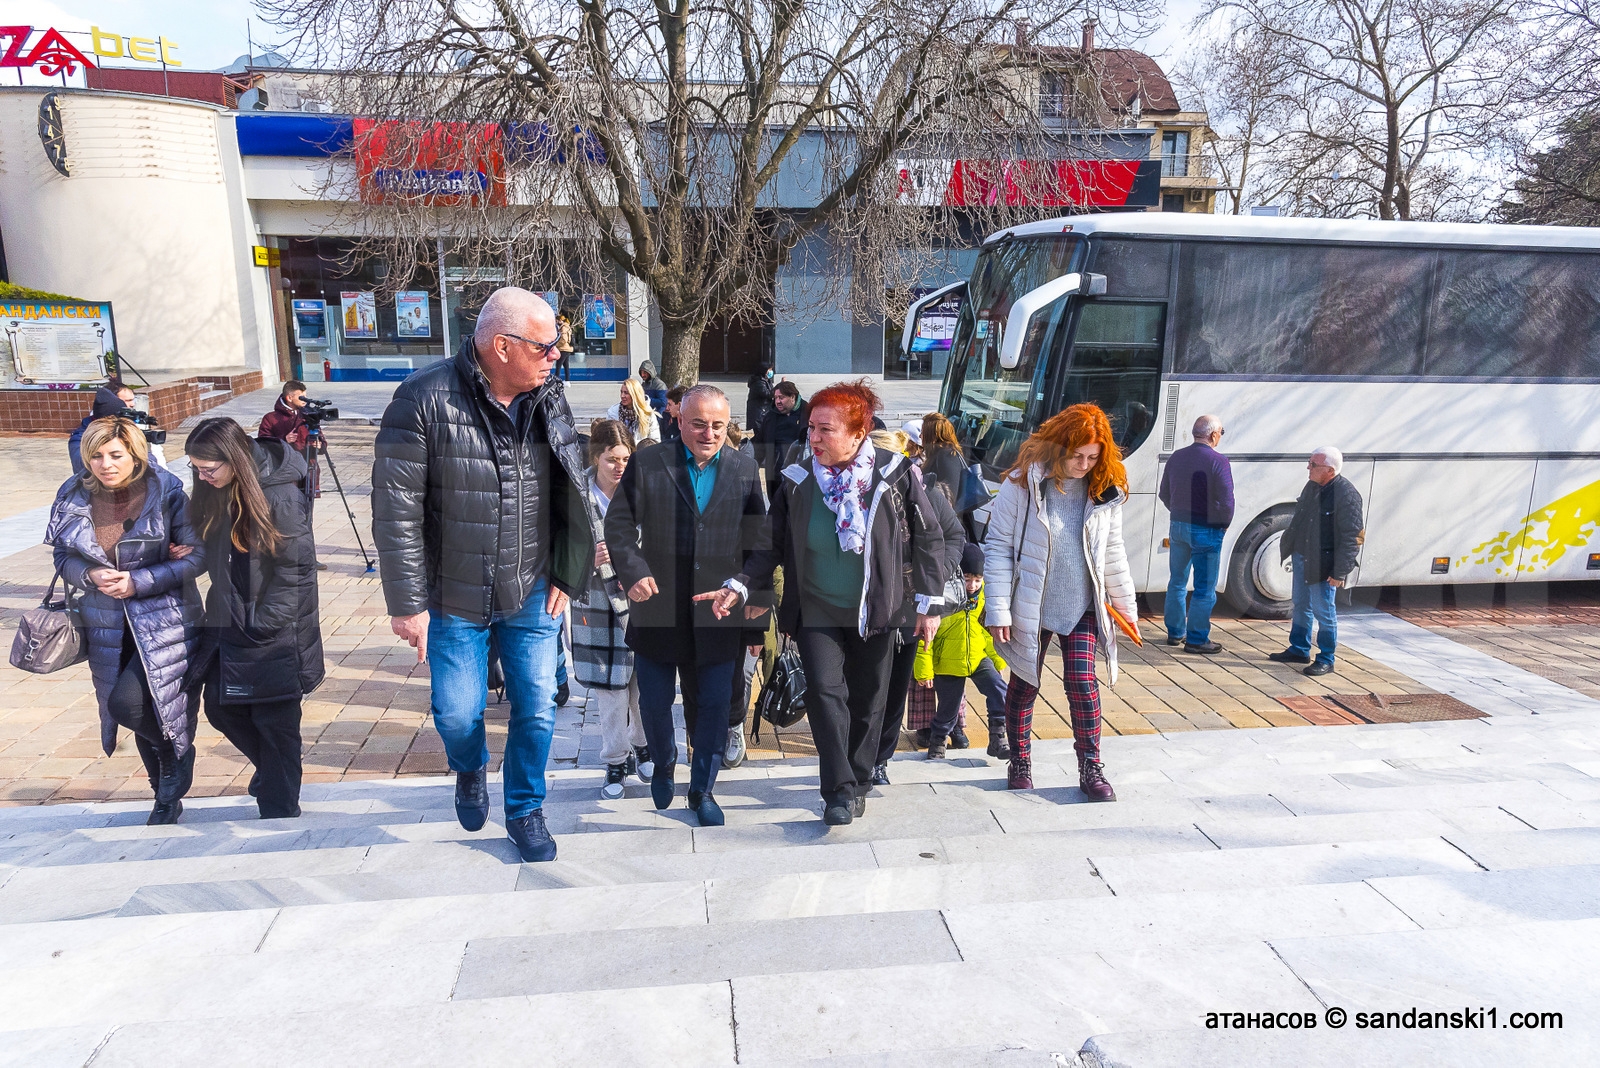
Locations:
211 33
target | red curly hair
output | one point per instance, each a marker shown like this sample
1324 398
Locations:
854 401
1063 434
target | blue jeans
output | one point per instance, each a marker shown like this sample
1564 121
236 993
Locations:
458 654
1200 548
712 686
1313 600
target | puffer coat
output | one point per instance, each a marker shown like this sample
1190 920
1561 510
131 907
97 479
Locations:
455 492
961 644
1016 550
164 611
268 637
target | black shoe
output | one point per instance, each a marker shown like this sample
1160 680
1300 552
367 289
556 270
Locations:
662 786
838 813
285 816
254 789
616 775
1174 641
532 837
936 748
1289 656
1321 667
563 695
923 737
997 741
880 775
858 807
176 778
472 798
1208 648
164 812
706 810
643 764
959 739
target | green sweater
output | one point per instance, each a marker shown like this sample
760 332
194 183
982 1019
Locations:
833 576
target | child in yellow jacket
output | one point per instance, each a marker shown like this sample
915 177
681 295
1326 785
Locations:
964 649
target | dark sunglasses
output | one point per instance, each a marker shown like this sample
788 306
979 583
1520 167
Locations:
544 347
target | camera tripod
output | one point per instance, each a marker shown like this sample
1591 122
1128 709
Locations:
316 443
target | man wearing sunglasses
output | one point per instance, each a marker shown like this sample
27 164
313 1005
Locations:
483 534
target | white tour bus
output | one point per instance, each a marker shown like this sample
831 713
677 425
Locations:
1456 366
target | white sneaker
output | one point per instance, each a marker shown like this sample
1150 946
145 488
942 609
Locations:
613 789
646 767
733 756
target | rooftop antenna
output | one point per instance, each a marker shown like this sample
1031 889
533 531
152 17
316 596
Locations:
249 46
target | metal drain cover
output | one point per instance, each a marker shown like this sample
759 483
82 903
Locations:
1406 707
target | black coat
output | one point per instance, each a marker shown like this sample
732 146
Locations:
455 493
164 610
1326 529
758 402
905 545
947 468
267 635
777 432
653 530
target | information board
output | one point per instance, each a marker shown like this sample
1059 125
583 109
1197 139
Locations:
55 343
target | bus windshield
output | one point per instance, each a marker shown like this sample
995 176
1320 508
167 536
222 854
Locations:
991 406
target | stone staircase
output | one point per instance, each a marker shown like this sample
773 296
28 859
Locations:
1288 870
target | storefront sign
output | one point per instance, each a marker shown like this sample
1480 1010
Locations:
311 323
411 315
965 183
360 314
443 164
55 344
52 54
267 257
141 49
936 327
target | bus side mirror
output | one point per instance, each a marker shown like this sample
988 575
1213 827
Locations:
1020 323
914 313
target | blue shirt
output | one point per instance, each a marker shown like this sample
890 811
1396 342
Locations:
703 479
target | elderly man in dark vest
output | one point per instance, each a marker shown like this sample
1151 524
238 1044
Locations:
683 521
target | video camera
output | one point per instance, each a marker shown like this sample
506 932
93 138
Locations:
145 422
315 411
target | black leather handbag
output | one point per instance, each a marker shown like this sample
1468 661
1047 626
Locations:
783 698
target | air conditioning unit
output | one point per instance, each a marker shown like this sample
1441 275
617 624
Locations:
1197 196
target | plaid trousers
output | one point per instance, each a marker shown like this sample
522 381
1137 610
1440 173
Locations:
1083 693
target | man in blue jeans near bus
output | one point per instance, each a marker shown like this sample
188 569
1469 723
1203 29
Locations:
1321 545
1197 488
483 531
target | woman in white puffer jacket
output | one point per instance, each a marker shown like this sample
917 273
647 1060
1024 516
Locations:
1055 564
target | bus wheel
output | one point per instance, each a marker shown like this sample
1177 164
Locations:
1259 580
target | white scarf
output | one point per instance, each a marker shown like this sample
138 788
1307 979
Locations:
844 491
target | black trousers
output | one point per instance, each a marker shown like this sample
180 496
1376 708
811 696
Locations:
846 679
268 734
951 688
134 708
894 705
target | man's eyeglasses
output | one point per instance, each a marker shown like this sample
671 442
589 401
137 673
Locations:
544 347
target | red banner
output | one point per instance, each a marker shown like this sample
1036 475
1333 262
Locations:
966 183
442 164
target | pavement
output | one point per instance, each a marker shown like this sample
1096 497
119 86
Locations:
1270 852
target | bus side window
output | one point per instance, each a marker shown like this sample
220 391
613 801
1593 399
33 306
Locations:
1116 363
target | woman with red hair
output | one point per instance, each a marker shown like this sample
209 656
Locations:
1057 567
852 527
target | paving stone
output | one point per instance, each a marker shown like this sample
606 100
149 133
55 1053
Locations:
498 967
1279 866
1531 849
1493 898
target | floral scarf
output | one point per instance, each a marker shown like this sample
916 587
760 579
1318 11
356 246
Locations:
844 491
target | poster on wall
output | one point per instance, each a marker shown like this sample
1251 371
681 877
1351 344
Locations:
552 298
599 316
411 315
360 314
55 343
311 323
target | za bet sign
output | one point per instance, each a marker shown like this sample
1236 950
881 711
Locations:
53 54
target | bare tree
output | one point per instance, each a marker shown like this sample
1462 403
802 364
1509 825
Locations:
1559 185
696 146
1384 100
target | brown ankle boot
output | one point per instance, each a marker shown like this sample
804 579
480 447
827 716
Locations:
1019 773
1092 781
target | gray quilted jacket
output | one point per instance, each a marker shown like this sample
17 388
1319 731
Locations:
164 611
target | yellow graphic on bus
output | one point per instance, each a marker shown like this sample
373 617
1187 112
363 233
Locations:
1545 535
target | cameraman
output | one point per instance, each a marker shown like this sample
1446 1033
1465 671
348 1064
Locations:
287 423
110 399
